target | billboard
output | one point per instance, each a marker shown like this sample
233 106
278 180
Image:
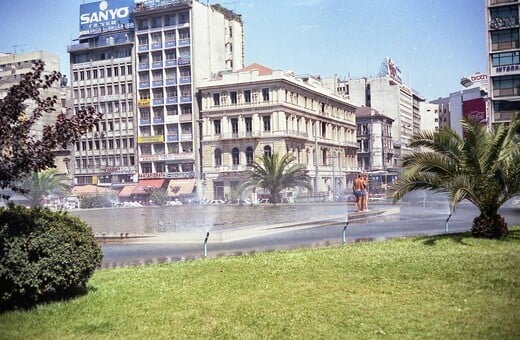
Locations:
476 109
476 80
102 16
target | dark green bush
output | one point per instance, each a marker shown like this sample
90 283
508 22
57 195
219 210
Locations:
98 201
44 256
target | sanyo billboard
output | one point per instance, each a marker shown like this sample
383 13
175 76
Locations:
102 16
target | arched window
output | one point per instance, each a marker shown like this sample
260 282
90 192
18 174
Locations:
235 155
249 155
267 150
218 157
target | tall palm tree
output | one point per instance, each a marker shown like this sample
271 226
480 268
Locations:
482 167
43 183
275 173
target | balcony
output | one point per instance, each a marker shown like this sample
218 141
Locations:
142 48
185 80
158 101
144 84
171 81
185 99
143 66
144 121
156 46
170 63
172 138
169 44
158 120
186 137
183 118
184 42
157 64
171 100
183 60
157 83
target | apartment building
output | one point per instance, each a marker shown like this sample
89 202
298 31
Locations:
257 111
179 43
374 138
102 72
503 45
12 68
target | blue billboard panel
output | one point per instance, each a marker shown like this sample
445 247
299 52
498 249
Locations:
102 16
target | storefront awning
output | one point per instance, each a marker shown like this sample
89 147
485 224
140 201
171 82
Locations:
91 190
178 187
127 191
145 186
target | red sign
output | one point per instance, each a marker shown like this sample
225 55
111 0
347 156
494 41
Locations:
476 109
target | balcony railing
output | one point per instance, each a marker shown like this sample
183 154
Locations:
172 81
170 63
143 66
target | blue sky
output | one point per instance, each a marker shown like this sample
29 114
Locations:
434 43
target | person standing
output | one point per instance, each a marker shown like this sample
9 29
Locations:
358 187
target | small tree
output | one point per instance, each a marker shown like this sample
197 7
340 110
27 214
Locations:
159 196
275 173
40 184
20 150
482 167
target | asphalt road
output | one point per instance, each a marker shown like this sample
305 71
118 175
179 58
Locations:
410 221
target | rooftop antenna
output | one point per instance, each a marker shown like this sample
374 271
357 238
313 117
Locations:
15 46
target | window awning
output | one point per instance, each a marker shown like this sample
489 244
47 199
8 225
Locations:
145 186
178 187
127 191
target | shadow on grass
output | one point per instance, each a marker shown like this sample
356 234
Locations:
66 295
514 235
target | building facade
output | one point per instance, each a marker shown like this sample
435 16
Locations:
259 111
503 45
178 44
374 137
102 72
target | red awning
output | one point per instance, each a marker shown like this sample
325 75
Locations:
127 191
145 186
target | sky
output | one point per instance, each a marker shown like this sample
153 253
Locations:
434 43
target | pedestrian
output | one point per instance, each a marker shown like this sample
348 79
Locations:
364 196
358 187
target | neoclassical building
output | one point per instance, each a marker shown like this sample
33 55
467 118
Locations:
257 110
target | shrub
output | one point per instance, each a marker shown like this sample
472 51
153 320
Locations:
44 256
96 202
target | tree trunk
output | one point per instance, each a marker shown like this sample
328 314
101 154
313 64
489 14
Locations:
493 227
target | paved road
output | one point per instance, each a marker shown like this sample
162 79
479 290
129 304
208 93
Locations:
381 223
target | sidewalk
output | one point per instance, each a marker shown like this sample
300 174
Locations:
241 233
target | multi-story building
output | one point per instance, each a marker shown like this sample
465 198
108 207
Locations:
503 45
178 44
374 138
429 117
12 69
102 71
388 95
257 111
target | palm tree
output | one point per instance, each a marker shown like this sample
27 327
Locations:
275 173
482 167
43 183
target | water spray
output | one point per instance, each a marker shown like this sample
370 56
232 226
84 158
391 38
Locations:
446 226
345 231
206 245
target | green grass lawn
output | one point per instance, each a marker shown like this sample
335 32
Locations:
449 287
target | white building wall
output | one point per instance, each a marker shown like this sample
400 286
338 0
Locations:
429 116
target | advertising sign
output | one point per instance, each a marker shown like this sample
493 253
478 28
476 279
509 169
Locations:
103 16
475 80
476 109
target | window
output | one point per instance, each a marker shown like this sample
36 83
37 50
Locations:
249 155
216 125
249 124
267 123
267 151
506 58
247 96
233 97
216 99
142 24
234 126
265 94
217 157
156 22
235 155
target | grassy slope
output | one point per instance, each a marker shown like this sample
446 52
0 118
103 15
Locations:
433 287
